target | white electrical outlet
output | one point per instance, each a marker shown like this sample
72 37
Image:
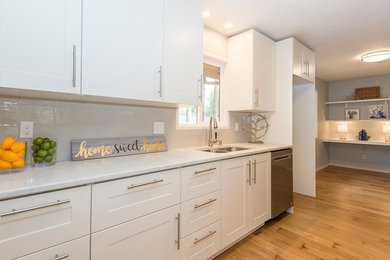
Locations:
364 156
26 129
159 128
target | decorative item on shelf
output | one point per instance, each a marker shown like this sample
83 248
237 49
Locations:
363 135
255 126
342 129
103 148
368 93
12 155
377 111
43 152
350 97
386 131
352 113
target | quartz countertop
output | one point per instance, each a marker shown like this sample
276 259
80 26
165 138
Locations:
77 173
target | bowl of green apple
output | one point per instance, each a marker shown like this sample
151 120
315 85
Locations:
43 152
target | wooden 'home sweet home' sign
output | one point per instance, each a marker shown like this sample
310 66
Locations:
93 149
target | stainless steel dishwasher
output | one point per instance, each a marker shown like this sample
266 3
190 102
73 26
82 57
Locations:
281 181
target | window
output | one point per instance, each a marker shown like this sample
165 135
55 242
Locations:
191 115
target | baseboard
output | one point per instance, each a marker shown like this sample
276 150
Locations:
358 167
319 168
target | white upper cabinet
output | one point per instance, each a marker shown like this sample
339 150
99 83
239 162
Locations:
123 48
40 45
304 62
183 51
145 50
250 72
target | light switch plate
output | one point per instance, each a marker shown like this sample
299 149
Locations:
159 128
26 129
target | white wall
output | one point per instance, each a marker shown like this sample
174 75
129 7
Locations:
322 151
377 158
214 43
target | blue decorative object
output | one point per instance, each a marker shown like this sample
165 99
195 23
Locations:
363 135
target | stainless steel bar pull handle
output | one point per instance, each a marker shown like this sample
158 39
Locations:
282 158
201 88
204 204
257 97
57 257
207 170
132 186
196 240
178 231
160 71
249 173
74 67
18 211
254 172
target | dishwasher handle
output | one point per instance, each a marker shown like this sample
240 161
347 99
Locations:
282 158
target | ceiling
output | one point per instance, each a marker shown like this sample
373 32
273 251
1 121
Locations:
339 32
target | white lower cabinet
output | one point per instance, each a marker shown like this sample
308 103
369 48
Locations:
33 223
245 195
151 237
77 249
202 244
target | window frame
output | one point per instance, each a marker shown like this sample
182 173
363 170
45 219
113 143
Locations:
223 122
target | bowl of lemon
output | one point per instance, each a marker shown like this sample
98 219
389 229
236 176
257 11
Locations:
12 155
43 152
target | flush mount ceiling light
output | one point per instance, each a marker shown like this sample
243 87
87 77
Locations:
376 56
206 14
228 25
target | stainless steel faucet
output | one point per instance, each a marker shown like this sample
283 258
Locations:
213 134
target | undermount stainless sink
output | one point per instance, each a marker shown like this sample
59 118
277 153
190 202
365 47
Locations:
224 149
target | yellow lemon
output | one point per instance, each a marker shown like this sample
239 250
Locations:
18 147
7 143
4 165
10 156
18 164
20 154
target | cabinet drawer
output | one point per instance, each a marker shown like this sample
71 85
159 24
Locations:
150 237
74 250
119 201
199 213
202 244
33 223
199 179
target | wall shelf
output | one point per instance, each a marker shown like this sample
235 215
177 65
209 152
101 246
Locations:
331 140
362 120
358 101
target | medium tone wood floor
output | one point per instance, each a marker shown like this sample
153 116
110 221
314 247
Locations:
349 219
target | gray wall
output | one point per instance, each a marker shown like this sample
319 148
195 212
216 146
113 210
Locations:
322 156
377 158
66 121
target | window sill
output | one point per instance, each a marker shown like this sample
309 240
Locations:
198 126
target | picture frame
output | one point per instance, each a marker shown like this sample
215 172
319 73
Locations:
352 114
377 112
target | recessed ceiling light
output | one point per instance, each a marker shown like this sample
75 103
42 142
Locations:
228 25
206 14
376 56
